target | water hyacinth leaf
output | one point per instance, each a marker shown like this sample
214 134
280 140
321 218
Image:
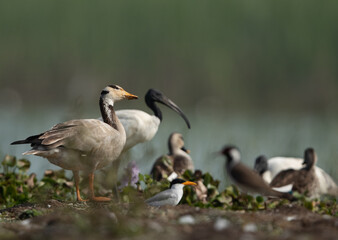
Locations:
207 179
140 177
49 181
9 161
259 199
188 175
23 164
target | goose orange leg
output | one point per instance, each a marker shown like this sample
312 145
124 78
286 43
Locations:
77 182
91 191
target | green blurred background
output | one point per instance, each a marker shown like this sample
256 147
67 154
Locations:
253 64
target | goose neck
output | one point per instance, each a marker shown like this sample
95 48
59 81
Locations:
108 113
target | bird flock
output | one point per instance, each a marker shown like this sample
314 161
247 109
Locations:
88 145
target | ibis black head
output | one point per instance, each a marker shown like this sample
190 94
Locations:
154 95
261 164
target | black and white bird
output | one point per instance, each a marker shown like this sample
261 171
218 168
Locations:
171 196
247 179
269 168
304 180
140 126
175 163
84 144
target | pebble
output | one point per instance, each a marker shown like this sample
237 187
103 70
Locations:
291 218
327 217
113 217
250 227
155 226
221 224
186 219
26 222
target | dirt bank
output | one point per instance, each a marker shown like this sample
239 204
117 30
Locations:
66 220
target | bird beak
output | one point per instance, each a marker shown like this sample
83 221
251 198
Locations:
186 150
189 183
170 104
129 96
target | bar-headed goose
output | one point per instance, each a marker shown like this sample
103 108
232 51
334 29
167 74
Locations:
303 180
175 163
247 179
269 168
84 144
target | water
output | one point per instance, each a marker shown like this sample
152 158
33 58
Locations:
254 134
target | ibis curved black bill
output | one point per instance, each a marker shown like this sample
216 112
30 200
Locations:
157 96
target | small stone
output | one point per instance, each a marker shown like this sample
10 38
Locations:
49 206
291 218
187 219
250 227
327 217
113 217
26 222
155 226
221 224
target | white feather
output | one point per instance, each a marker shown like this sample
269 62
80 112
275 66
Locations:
284 189
139 126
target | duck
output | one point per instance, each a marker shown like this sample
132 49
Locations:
175 163
171 196
247 179
84 144
304 180
269 168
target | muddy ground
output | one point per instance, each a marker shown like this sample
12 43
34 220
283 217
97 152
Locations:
65 220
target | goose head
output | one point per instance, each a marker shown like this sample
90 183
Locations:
115 93
261 164
310 158
176 143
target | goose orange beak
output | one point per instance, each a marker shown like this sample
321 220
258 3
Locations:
129 95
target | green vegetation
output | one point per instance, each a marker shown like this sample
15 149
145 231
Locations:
17 187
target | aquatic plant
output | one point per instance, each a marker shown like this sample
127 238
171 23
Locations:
17 186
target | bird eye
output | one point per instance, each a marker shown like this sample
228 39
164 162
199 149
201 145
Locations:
104 92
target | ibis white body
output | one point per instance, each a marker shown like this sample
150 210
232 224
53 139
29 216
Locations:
139 126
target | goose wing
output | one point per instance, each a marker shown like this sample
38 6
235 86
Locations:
81 135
